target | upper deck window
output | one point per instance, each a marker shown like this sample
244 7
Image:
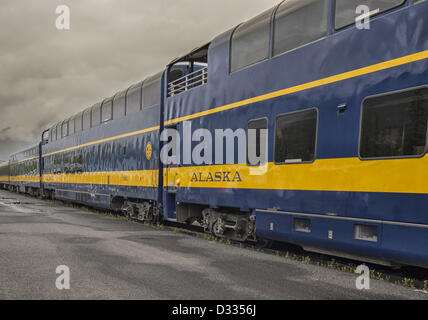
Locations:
53 134
96 115
71 126
107 111
151 90
295 137
119 102
46 137
58 131
78 122
133 99
250 42
346 9
87 119
395 125
299 22
64 129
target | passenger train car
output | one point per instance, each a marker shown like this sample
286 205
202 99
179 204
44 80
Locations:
24 171
339 112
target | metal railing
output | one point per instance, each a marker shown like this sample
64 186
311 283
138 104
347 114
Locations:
188 82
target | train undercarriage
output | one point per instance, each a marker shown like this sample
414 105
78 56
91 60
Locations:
221 223
224 223
146 211
233 226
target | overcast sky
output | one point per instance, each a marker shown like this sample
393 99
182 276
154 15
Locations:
47 75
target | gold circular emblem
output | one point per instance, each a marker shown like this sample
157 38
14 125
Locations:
149 150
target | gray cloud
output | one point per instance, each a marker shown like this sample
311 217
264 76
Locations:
47 75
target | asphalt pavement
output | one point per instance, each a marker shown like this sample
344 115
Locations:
111 258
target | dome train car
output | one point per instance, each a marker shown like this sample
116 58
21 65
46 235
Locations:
346 112
22 172
104 164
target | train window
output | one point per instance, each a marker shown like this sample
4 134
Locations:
250 42
151 90
51 134
107 111
71 126
58 131
79 162
86 119
47 137
64 129
302 225
299 22
78 122
295 137
257 142
346 9
119 105
395 125
133 99
96 115
365 232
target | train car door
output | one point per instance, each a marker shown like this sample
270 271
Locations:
170 179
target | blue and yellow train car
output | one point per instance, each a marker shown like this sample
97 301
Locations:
24 171
106 156
345 106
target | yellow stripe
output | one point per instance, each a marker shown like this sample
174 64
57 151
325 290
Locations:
4 178
146 178
25 179
336 78
347 174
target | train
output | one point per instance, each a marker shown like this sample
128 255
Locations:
337 111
